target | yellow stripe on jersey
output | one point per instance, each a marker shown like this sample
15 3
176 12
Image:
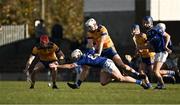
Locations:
96 36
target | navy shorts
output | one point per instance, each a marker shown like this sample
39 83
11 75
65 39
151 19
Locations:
108 53
46 63
147 61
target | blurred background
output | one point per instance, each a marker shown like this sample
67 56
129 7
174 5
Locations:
22 21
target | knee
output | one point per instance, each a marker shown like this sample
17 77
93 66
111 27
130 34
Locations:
156 72
121 79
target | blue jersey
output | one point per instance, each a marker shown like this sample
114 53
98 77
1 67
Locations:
156 39
90 60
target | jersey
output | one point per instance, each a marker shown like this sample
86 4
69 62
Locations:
90 60
141 40
96 37
156 39
46 53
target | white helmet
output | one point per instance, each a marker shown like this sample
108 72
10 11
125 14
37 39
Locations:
37 22
90 22
161 26
76 53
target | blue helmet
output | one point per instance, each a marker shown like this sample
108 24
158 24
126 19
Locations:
147 22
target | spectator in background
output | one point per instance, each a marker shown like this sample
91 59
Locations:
40 29
56 32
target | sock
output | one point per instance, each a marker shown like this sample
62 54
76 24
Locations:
54 83
169 75
149 84
79 82
139 82
135 72
171 72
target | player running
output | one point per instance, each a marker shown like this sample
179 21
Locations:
108 68
159 40
48 53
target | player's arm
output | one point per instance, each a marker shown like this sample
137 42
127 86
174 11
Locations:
104 32
168 37
137 47
60 55
64 66
101 45
134 39
90 42
59 52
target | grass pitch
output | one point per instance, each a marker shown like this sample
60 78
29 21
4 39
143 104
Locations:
18 92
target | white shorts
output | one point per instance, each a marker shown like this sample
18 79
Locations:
109 66
161 57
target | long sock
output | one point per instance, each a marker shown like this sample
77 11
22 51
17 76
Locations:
139 82
149 84
135 72
54 83
171 72
79 82
169 75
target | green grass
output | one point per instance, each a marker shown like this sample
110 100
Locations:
18 92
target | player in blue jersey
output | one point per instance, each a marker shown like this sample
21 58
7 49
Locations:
159 40
108 68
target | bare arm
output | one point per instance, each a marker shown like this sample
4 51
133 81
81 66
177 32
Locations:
168 37
101 45
64 66
90 43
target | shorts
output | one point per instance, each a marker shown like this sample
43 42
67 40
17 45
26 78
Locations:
46 63
161 56
109 66
108 53
147 61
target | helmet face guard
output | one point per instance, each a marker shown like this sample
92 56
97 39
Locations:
90 24
161 27
135 29
76 54
147 22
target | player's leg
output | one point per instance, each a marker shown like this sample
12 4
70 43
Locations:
39 66
156 69
84 73
54 75
116 74
111 53
160 58
105 78
142 67
78 71
169 74
117 59
111 68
